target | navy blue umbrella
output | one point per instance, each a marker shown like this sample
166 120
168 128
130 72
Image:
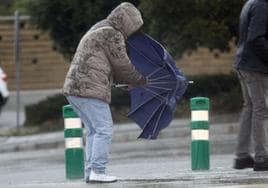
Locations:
153 106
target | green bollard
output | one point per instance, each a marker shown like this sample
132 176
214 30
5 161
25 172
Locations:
74 152
200 133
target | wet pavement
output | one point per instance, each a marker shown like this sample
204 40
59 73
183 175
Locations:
155 164
46 168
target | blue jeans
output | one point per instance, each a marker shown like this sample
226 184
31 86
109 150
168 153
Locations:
254 115
97 119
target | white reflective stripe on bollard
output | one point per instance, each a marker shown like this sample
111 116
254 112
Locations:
73 143
200 134
72 123
199 115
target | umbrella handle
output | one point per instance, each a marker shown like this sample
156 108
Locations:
121 85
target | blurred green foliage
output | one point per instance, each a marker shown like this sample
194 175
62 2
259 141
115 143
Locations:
223 90
180 25
211 85
49 109
8 7
67 20
185 25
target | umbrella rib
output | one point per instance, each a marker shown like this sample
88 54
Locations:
158 119
152 86
156 94
156 102
146 124
141 53
158 78
156 43
178 83
155 83
161 98
155 71
155 51
134 110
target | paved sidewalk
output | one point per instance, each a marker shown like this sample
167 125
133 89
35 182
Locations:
45 169
161 163
38 160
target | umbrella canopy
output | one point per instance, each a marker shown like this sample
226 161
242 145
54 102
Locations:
153 106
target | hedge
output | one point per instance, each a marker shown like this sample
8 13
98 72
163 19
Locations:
223 90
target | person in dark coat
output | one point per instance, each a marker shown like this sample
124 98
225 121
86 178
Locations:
252 67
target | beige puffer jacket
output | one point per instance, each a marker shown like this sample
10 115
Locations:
101 56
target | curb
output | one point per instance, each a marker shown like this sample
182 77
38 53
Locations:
125 134
32 142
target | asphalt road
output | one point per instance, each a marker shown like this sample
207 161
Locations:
46 168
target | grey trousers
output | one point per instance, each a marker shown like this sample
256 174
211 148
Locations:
254 114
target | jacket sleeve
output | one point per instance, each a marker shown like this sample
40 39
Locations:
257 31
124 72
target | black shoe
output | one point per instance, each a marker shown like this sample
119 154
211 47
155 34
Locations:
261 166
242 163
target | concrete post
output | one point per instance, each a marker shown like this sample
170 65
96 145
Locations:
74 152
200 133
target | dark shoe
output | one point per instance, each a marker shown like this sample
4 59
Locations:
242 163
261 166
